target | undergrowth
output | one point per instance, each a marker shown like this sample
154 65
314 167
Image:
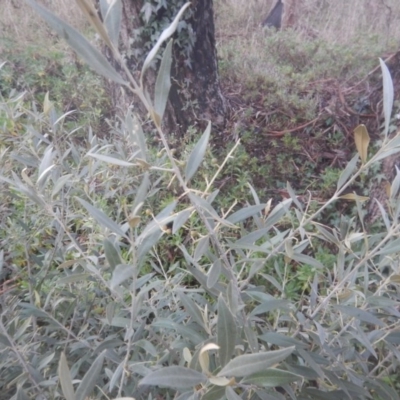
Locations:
127 272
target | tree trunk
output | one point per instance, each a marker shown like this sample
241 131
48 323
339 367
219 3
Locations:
195 95
283 14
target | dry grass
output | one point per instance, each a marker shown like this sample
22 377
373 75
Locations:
19 22
360 28
336 21
344 21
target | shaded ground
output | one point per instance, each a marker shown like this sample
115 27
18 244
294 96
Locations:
309 153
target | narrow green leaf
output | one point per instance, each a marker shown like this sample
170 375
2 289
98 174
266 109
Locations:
304 372
65 378
21 395
112 17
191 308
118 322
111 253
167 33
101 218
148 347
383 389
79 43
27 191
75 277
111 160
388 95
304 259
33 310
384 214
121 273
145 245
278 212
226 332
197 273
197 155
214 393
316 394
22 328
139 136
245 213
251 337
232 297
46 361
231 394
281 340
311 362
180 220
254 194
207 209
42 179
89 11
271 378
249 364
61 182
395 186
271 305
214 273
362 315
160 220
110 313
386 153
361 337
188 333
174 377
391 247
46 161
163 82
211 197
252 237
142 192
88 382
293 196
201 248
393 338
116 376
4 341
350 167
327 234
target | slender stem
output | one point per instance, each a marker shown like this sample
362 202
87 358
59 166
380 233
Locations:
347 278
19 356
221 167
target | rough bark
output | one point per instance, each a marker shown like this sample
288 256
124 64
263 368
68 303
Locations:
274 17
283 14
195 95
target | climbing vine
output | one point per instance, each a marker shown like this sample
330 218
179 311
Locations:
155 16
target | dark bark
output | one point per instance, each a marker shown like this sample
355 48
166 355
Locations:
195 95
274 18
283 14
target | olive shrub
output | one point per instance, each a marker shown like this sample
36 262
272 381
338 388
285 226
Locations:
96 309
